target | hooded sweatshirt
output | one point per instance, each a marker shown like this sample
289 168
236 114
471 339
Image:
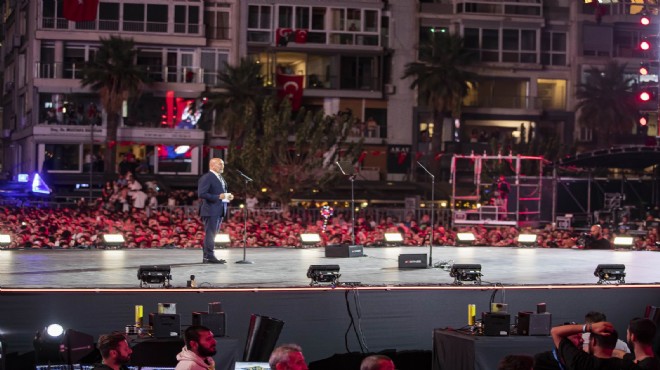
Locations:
189 360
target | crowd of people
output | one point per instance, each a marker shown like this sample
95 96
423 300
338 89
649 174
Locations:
145 224
593 345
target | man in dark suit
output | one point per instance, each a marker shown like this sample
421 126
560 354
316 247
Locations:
212 190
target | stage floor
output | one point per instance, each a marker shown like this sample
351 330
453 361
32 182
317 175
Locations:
286 268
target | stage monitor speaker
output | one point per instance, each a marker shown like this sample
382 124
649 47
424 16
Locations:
165 325
496 324
412 261
262 337
343 250
215 321
530 323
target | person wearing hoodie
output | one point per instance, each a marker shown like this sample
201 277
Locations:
199 350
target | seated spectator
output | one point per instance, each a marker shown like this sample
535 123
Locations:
377 362
287 357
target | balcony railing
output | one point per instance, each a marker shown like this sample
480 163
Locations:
117 25
506 102
322 37
533 8
620 8
72 71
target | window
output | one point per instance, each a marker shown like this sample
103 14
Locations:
515 46
552 93
186 19
52 15
285 17
62 157
156 18
259 23
108 16
213 62
553 46
134 17
217 24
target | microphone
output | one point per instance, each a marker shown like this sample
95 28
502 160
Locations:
244 175
340 169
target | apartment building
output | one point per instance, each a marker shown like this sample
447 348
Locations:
343 55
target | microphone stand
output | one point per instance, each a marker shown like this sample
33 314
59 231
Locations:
247 179
432 212
352 179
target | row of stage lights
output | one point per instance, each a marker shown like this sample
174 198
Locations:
646 91
113 241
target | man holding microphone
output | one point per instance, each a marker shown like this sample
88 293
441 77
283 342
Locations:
212 190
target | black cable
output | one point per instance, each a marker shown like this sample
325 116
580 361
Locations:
350 314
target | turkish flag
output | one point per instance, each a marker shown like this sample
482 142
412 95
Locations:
80 10
301 36
290 86
282 36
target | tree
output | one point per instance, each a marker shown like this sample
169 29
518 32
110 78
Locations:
237 108
114 75
606 102
441 77
290 155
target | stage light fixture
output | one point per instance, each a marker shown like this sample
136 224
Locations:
222 240
623 241
466 273
393 238
113 241
608 274
54 345
5 240
154 274
528 240
465 238
323 274
310 239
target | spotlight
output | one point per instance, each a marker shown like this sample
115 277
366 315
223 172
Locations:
222 240
465 238
113 241
623 241
610 273
466 273
310 239
393 238
323 274
528 240
54 345
5 240
154 274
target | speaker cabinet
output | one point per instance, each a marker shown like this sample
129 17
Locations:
165 325
343 250
496 324
215 321
262 337
530 323
412 261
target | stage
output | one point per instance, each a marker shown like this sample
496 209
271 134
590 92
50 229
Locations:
287 267
95 291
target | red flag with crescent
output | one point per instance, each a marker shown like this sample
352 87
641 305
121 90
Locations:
301 36
282 33
290 86
80 10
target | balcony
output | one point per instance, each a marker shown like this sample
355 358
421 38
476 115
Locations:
504 102
121 26
529 8
159 73
621 8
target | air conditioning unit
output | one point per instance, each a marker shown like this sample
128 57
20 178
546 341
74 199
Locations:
390 89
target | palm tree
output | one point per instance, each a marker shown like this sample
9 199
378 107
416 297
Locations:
114 75
441 77
606 102
237 108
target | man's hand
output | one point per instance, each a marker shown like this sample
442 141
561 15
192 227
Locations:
603 328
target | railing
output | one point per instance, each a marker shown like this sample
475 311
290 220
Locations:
158 73
509 102
328 37
620 8
120 25
532 8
